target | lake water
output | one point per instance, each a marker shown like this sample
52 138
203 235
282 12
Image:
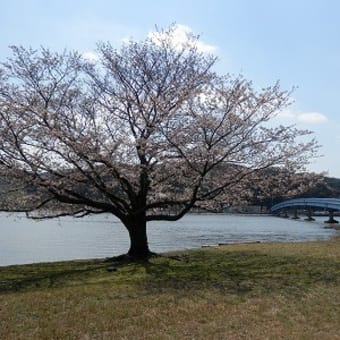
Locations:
27 241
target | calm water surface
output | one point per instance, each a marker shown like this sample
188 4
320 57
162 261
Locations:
26 241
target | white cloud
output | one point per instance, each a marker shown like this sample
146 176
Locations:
304 117
312 117
179 37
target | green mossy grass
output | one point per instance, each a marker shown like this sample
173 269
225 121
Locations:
273 290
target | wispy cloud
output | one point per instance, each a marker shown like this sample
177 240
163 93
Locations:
312 117
304 117
179 37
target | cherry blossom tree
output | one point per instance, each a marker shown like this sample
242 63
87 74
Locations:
146 132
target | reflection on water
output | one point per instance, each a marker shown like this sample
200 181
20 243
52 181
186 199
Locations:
26 241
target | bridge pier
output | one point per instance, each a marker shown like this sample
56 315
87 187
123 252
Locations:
295 216
284 214
309 215
331 217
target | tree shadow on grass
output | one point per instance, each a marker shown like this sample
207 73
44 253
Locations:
68 273
46 275
241 273
236 272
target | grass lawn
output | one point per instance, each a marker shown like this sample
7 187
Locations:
246 291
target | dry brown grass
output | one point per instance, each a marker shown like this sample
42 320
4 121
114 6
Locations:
254 291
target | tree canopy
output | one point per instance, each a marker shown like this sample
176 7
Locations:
146 132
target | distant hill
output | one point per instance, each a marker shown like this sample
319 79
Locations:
329 188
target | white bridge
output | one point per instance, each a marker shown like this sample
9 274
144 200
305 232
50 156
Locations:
310 204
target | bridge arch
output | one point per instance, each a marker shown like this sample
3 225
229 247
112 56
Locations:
324 203
329 204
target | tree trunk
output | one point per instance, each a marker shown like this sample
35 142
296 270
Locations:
139 247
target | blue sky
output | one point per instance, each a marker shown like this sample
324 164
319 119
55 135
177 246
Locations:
294 41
